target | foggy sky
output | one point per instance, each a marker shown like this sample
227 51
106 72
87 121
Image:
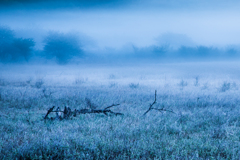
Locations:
117 23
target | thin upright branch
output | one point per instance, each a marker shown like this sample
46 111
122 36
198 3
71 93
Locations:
151 105
158 109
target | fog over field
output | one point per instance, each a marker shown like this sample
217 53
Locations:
128 79
166 29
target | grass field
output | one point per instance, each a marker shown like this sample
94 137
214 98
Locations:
205 99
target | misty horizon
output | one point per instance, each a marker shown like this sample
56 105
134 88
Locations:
166 29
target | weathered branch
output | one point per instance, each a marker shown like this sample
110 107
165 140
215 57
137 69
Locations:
158 109
67 113
104 111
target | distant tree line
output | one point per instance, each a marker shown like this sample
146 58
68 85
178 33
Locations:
58 46
186 52
63 47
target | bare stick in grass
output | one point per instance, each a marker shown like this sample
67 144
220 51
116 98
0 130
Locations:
158 109
151 105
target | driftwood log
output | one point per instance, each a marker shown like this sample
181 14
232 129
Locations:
67 112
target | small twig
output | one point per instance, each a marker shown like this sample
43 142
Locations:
163 109
121 114
49 111
57 111
111 106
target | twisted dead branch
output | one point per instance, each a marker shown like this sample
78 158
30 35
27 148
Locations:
158 109
67 113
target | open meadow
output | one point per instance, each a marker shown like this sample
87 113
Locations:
200 116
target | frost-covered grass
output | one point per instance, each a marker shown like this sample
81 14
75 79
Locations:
206 123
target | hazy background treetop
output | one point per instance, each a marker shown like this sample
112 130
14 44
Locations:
62 46
14 49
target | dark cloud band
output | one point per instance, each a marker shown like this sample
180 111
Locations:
103 4
64 4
